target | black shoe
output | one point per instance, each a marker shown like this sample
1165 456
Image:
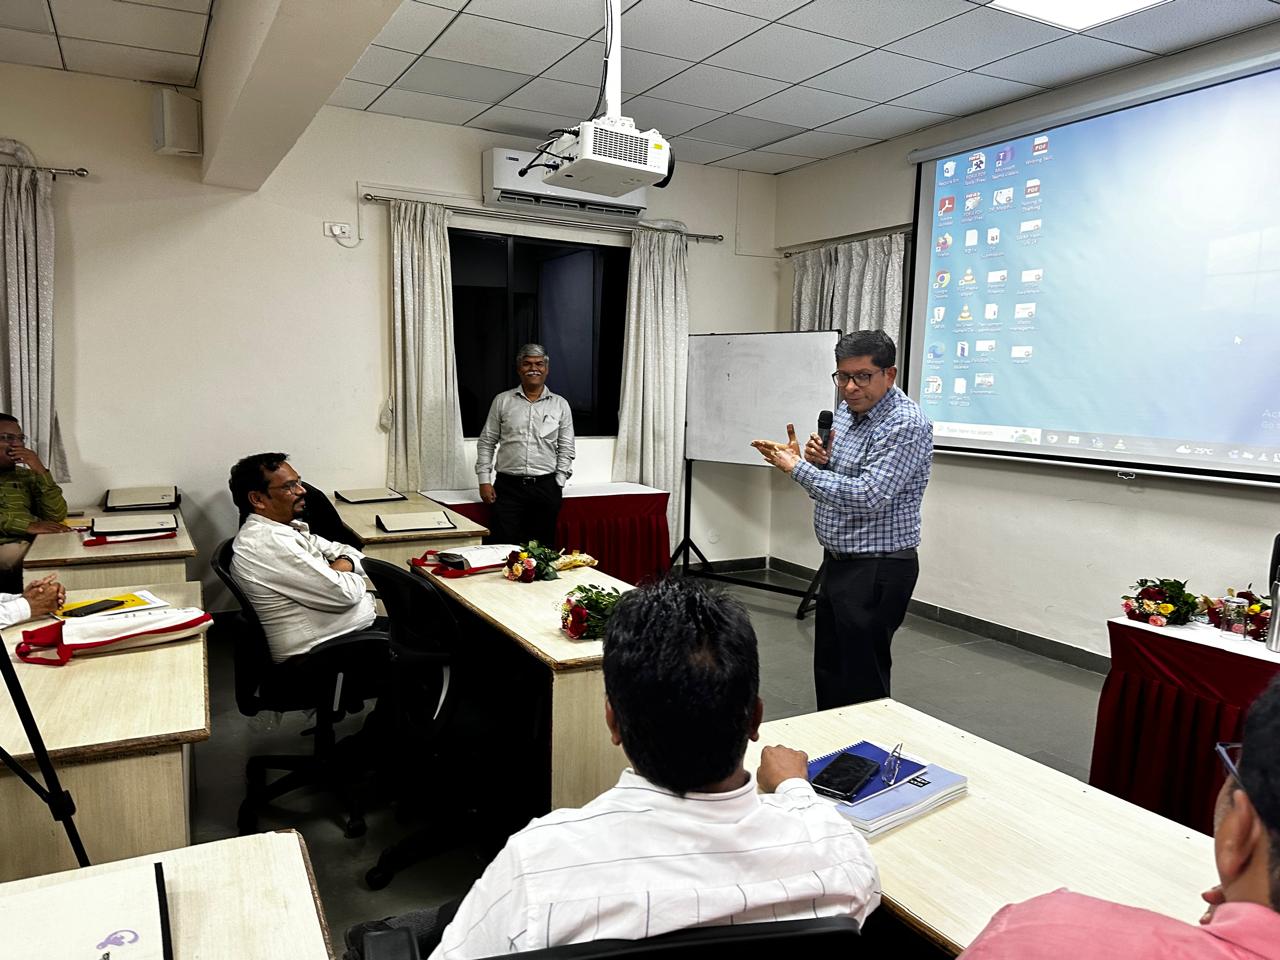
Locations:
355 934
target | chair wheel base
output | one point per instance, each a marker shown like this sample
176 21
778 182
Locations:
354 827
377 878
246 820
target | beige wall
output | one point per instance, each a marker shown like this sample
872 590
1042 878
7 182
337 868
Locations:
1043 549
196 324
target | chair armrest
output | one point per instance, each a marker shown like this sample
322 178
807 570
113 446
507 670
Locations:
395 944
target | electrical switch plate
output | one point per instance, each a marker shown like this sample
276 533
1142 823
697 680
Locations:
341 231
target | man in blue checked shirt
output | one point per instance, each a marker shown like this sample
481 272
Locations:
866 486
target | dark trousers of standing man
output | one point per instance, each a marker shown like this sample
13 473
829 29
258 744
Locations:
863 600
526 509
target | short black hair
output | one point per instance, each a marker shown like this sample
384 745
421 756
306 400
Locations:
1260 771
682 674
8 418
250 474
875 344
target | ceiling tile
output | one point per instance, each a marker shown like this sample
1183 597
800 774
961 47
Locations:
29 15
765 9
521 123
700 151
129 24
966 93
555 96
786 53
640 69
354 94
818 145
805 107
578 18
744 131
881 76
504 46
424 106
1185 23
874 22
191 6
413 27
34 49
682 28
760 162
464 81
977 37
1062 61
885 122
714 87
132 63
380 65
670 119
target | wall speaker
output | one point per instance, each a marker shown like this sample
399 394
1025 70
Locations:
175 123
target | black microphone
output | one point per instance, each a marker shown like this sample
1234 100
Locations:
825 420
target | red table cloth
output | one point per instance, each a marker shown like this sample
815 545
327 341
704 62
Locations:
1166 701
625 532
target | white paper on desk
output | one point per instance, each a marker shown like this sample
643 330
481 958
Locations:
468 558
128 537
409 522
86 916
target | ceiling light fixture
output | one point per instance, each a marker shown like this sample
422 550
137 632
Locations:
1074 15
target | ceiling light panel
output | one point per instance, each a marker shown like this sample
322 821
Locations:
1074 14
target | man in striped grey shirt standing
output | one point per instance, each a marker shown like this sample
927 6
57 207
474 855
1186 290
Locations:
684 839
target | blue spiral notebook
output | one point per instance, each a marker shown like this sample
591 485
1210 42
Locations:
909 768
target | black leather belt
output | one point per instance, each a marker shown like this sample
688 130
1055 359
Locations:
513 478
908 554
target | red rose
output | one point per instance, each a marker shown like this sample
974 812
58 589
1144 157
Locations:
1152 593
577 621
527 574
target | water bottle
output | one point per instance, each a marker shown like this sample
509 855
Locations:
1273 630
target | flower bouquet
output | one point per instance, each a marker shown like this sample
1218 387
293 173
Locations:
1257 612
586 610
531 562
1160 603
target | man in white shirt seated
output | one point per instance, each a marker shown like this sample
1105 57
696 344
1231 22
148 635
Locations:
304 589
684 839
39 597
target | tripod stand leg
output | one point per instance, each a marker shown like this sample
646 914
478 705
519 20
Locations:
810 599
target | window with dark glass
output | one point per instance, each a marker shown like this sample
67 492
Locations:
570 297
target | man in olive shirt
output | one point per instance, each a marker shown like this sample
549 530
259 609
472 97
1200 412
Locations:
532 429
30 499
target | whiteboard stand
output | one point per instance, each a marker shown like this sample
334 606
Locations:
708 572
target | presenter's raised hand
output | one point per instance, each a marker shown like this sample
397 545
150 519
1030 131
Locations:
784 456
815 452
487 494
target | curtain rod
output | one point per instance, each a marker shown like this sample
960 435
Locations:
867 235
69 171
525 218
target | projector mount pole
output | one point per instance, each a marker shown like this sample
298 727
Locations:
613 56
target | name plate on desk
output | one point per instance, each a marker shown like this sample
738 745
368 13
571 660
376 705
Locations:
142 498
134 523
369 495
413 522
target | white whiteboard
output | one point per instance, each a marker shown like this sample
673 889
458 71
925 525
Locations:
749 386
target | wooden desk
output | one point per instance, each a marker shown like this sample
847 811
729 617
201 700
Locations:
252 898
1023 830
119 727
583 760
112 565
398 548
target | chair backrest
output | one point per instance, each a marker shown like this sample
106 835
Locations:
252 654
323 520
818 937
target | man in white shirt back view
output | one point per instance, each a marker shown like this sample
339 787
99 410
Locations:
684 839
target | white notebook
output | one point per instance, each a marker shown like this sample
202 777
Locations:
369 495
410 522
134 523
140 498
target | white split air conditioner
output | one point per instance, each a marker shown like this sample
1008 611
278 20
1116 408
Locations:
505 189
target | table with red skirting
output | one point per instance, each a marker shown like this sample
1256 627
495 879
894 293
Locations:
622 525
1171 694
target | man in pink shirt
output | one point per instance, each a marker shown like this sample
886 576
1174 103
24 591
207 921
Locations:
1242 919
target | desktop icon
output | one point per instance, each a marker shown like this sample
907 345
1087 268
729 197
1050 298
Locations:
968 279
932 384
960 385
970 238
991 311
1039 145
1073 439
1119 445
964 316
1096 443
1034 275
962 349
984 380
949 168
941 279
1004 157
997 276
977 162
939 315
1029 226
936 351
946 205
1002 197
993 236
1032 189
1051 437
943 244
1247 455
1024 311
1182 448
1021 352
972 202
984 346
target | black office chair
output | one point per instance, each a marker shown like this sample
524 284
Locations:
428 680
311 681
323 520
819 937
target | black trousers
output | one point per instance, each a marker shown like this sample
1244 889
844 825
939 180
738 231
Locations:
861 603
526 509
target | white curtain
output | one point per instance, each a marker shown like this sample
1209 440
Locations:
856 285
26 303
650 448
423 416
